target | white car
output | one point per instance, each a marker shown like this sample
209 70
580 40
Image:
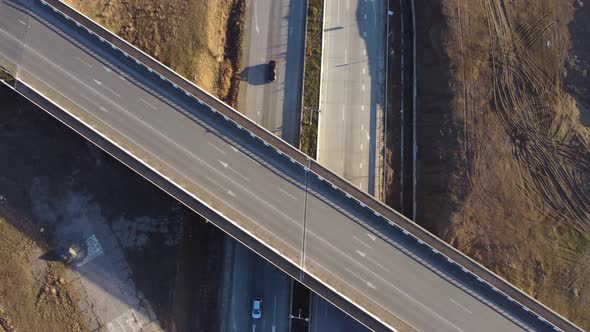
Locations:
257 308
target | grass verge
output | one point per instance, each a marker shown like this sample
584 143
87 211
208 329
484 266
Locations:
311 82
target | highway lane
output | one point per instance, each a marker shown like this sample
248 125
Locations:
274 31
354 253
252 277
14 20
245 180
352 98
325 317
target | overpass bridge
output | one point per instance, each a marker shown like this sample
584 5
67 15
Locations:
367 259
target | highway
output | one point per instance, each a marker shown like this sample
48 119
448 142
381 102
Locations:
274 198
274 31
350 135
327 318
252 277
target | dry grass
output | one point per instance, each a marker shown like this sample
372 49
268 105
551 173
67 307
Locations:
519 183
187 35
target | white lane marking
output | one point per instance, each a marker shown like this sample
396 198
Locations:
256 18
22 22
354 274
363 87
216 148
84 62
343 112
107 69
362 107
154 156
286 193
128 137
385 281
226 165
345 55
361 146
361 165
361 253
229 192
359 240
99 83
274 314
355 288
372 237
462 307
364 71
371 285
362 127
150 105
185 150
100 107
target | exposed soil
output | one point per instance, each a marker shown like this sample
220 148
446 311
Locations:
504 142
196 38
33 295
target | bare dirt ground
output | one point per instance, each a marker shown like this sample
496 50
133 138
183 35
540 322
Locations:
51 178
190 36
33 296
504 140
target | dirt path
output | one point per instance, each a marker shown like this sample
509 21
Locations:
511 141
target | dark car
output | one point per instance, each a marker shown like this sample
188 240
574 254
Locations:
271 75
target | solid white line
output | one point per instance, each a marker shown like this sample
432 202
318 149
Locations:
345 55
359 240
462 307
168 139
82 95
23 23
150 105
167 165
387 282
286 193
84 62
216 148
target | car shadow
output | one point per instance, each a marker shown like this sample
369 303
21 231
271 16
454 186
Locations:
255 75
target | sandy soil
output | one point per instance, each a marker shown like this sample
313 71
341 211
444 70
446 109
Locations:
503 98
187 35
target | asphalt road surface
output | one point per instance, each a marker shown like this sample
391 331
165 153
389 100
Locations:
350 131
252 277
325 317
274 31
345 244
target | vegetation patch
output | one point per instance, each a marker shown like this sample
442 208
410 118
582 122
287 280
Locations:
312 78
